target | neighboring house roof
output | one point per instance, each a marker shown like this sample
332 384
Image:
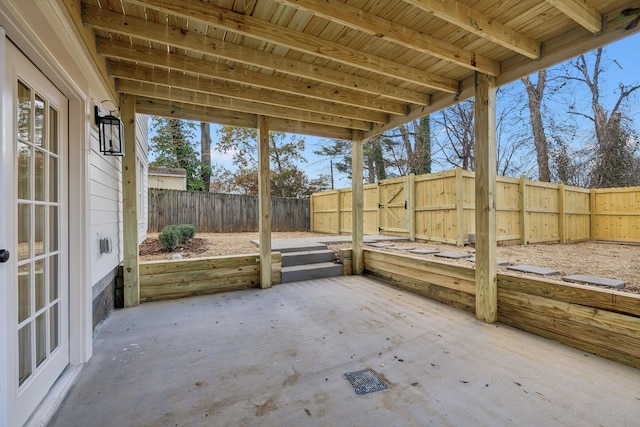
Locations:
178 172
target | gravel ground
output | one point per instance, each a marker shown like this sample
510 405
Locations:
610 260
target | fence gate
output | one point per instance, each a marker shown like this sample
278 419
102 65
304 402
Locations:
393 206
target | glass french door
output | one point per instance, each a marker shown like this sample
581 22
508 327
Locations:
40 320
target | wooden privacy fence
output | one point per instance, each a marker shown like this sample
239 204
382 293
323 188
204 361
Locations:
441 207
222 213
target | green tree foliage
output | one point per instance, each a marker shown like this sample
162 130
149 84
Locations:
285 152
172 146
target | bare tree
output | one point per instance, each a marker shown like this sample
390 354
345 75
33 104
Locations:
535 93
418 152
613 155
456 139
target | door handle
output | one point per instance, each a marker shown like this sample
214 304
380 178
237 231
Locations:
4 255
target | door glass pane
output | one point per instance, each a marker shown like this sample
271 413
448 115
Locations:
39 138
39 281
24 353
53 328
24 169
53 179
39 178
24 112
24 231
53 130
53 278
41 338
24 296
40 225
53 228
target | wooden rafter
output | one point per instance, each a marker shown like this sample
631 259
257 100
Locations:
477 23
209 100
221 18
157 33
581 12
216 70
315 65
129 71
188 111
354 17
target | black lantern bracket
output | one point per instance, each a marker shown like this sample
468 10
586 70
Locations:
110 132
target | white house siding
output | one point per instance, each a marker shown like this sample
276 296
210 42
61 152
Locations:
106 217
106 200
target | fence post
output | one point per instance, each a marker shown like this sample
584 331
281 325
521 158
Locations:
460 206
523 210
411 192
339 221
311 224
561 216
378 207
592 203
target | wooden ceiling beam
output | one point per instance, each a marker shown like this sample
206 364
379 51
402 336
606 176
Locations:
620 24
74 11
477 23
159 33
159 107
183 63
267 98
338 11
208 100
581 12
219 17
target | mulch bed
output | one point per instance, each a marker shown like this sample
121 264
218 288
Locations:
153 246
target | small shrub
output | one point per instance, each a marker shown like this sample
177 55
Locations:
187 231
170 237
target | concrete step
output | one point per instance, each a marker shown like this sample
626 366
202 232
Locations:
307 257
321 270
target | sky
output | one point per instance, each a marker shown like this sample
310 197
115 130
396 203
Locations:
622 58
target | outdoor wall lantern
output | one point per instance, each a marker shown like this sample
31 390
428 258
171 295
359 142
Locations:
110 131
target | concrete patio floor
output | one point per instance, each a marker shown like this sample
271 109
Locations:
276 357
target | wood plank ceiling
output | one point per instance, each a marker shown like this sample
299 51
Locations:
332 68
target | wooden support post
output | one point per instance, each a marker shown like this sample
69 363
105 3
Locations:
522 202
460 207
357 195
264 202
412 207
131 266
561 215
485 161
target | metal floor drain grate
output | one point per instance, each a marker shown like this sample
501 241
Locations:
365 381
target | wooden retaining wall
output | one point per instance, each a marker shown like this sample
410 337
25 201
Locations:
189 277
441 207
600 321
223 213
